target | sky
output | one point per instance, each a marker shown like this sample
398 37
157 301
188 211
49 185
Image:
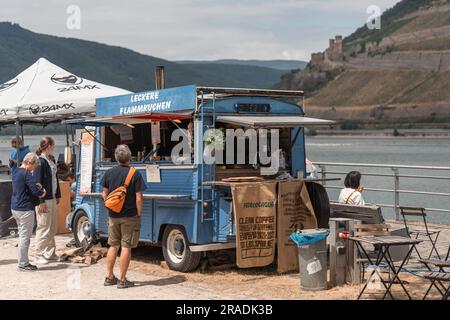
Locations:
198 29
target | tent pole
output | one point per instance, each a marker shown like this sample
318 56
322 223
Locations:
72 146
17 143
72 133
69 147
21 133
67 136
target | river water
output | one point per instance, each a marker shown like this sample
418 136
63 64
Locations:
32 142
397 151
378 150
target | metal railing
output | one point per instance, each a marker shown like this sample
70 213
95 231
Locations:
395 175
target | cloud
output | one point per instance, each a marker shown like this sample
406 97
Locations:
200 29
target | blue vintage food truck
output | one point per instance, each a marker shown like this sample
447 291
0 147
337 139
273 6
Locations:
188 203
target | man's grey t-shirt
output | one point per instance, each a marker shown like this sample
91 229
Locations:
115 178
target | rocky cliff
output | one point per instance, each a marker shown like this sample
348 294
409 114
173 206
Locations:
399 74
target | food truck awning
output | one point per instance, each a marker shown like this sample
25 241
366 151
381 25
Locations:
129 120
273 121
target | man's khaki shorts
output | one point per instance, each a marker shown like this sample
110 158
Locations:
124 231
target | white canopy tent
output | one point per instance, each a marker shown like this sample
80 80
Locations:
45 93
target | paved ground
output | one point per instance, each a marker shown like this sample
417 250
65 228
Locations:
73 281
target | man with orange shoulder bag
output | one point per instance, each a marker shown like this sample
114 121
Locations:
122 186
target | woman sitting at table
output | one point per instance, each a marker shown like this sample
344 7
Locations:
352 193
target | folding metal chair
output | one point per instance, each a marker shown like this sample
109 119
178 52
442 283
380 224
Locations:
422 232
439 276
370 230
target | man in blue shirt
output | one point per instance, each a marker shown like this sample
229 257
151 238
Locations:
13 156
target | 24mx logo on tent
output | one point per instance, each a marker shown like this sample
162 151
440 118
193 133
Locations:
35 109
8 85
88 87
66 79
73 81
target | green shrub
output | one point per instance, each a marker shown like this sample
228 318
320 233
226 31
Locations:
349 125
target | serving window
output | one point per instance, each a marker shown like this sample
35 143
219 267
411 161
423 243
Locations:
143 138
242 165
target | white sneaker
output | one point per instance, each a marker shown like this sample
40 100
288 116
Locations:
40 260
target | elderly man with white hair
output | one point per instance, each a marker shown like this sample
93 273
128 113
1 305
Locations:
25 196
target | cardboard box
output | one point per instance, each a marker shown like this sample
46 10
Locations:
63 208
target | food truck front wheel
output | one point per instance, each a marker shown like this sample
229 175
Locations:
82 228
176 250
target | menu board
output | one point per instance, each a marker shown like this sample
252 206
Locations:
87 159
125 133
153 174
156 133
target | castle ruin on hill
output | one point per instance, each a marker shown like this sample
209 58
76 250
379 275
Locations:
331 58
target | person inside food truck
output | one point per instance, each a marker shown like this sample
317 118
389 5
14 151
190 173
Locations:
124 224
70 178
